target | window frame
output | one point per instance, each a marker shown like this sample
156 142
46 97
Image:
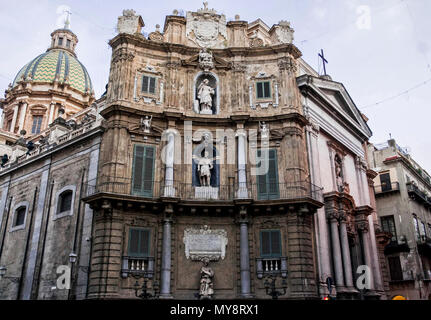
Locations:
271 254
142 192
268 195
264 97
145 254
383 219
392 271
15 210
149 85
38 125
58 214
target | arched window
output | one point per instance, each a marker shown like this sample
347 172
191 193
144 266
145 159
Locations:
20 216
65 201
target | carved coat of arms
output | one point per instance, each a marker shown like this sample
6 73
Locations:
205 28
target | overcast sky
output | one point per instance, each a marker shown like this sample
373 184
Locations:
377 49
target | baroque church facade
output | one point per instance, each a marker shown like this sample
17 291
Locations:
217 163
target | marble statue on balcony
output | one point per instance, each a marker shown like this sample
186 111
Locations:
204 168
206 283
205 96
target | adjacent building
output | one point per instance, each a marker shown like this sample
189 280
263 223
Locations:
403 196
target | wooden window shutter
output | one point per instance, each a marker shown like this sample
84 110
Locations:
270 243
268 183
145 83
143 171
267 90
139 242
259 87
152 85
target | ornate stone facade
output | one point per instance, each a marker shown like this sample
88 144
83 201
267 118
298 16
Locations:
207 169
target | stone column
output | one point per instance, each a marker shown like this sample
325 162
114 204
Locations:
22 116
367 251
51 113
242 175
336 250
346 251
15 115
244 256
165 278
169 169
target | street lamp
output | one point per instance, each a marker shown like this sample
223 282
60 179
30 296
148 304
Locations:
272 291
2 271
145 294
72 257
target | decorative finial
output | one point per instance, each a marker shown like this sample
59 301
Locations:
157 27
237 17
175 12
205 5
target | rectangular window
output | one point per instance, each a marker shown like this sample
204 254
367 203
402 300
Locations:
270 243
395 268
416 226
19 216
385 181
37 124
60 41
267 184
263 89
422 230
68 43
388 225
143 171
139 242
149 84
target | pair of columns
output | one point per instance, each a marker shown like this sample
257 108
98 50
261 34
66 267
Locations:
341 251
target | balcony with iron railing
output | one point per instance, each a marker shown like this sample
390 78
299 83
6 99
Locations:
137 266
386 188
415 193
271 267
152 190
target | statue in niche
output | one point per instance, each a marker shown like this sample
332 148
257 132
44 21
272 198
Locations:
205 96
339 174
206 283
146 123
204 168
264 131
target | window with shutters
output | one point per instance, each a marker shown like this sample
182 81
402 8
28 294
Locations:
37 123
270 243
263 90
395 268
143 170
388 225
149 84
267 184
139 242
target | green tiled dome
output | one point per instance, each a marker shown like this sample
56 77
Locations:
58 64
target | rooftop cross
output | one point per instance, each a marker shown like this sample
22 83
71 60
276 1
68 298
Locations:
67 22
322 56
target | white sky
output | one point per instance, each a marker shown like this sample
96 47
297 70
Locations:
373 64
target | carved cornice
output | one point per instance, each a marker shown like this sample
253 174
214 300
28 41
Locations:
123 54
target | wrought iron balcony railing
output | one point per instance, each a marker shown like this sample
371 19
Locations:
386 188
190 192
416 193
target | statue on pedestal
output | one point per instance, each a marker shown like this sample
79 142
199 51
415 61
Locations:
206 290
205 94
204 168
